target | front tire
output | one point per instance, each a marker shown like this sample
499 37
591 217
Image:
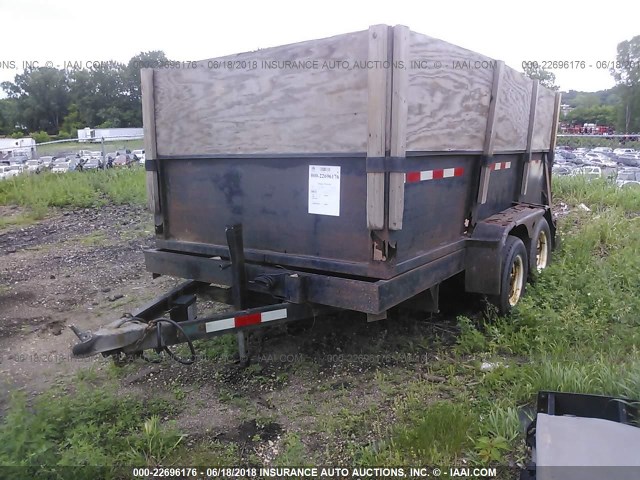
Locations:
513 277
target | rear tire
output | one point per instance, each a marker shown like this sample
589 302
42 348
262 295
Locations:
540 251
513 277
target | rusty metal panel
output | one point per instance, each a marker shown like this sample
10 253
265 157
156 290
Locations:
348 293
436 205
504 184
535 180
393 292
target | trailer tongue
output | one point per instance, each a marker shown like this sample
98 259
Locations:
147 329
288 188
132 335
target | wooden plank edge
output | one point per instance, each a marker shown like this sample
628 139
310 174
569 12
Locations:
150 146
377 82
490 134
399 114
532 120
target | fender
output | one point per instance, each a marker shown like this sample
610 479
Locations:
483 261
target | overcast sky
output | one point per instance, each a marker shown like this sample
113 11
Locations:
81 31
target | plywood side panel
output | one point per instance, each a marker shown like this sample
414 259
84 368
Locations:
448 96
512 111
544 119
272 108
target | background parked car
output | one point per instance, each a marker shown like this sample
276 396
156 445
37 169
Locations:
599 159
623 151
589 171
64 165
561 170
8 171
628 177
19 159
18 166
92 164
630 159
47 161
123 160
604 150
34 166
139 156
563 155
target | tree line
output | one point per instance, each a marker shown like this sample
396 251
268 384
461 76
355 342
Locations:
44 102
618 107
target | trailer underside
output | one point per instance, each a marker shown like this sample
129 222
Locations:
272 294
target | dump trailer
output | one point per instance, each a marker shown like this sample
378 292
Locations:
356 172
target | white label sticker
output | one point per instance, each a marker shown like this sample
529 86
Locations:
324 190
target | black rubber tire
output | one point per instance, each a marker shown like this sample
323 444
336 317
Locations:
513 252
542 228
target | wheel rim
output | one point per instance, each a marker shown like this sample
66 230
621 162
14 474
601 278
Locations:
516 280
542 251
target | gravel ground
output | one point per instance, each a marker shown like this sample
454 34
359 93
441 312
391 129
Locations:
82 267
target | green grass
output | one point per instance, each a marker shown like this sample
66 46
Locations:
223 347
65 147
598 194
91 427
592 142
576 330
74 189
293 453
434 434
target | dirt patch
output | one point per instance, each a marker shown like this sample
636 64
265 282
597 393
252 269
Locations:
68 269
7 211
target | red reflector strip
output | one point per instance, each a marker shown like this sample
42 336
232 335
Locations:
245 320
414 177
500 165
